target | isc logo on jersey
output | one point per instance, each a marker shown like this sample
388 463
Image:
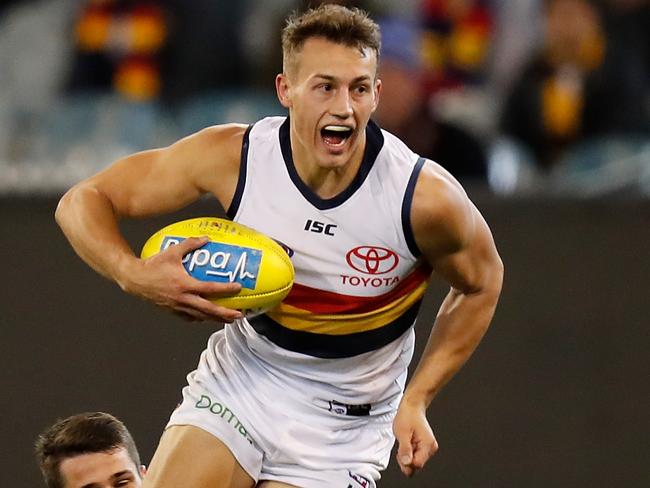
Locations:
217 261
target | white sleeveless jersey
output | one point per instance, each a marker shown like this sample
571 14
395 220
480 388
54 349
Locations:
359 277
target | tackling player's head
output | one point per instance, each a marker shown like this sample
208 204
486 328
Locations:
93 449
329 82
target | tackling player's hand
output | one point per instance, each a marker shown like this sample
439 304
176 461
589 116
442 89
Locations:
415 439
162 279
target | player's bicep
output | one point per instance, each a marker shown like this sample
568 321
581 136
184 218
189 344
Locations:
163 180
147 183
475 265
451 233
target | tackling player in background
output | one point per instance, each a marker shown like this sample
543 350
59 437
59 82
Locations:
313 393
89 450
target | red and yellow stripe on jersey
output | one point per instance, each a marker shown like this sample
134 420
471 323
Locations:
327 324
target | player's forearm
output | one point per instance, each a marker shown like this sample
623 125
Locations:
88 220
459 327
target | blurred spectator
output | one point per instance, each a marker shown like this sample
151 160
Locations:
205 49
626 67
582 84
404 111
117 46
517 35
33 56
456 48
456 43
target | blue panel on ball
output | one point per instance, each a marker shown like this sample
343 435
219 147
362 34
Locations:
224 263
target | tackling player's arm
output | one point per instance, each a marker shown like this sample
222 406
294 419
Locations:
454 238
145 184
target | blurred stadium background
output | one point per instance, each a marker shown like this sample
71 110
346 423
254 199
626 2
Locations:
540 107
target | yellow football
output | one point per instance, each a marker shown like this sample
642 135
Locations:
234 253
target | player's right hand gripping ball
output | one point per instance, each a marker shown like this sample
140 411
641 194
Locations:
234 253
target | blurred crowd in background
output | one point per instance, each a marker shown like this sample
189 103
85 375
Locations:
520 96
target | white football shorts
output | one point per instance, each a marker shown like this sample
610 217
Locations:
285 416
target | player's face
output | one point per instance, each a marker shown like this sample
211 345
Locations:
331 92
109 469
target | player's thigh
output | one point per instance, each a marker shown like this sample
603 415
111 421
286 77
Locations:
192 458
275 484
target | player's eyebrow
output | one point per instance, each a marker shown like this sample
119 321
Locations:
119 474
358 79
114 477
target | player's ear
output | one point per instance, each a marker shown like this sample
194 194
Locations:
143 470
377 90
282 88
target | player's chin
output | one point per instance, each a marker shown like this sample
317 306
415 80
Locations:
335 156
333 161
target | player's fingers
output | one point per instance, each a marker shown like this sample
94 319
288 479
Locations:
187 245
423 452
209 309
405 453
190 314
211 288
406 470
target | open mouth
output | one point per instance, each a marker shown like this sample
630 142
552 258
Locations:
335 135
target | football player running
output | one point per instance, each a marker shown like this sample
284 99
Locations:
312 394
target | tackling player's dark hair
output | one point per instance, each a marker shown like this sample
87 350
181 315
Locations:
84 433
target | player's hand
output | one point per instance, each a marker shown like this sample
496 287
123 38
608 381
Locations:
415 439
162 279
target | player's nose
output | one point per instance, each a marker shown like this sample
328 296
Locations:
342 104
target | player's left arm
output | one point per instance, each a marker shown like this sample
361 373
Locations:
455 239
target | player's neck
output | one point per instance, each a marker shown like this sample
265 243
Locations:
326 181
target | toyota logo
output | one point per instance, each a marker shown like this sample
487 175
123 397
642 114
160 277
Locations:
372 260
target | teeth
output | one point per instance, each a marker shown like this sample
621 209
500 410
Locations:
337 128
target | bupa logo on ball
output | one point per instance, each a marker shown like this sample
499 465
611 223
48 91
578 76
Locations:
225 263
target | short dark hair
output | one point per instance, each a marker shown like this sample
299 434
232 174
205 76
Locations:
342 25
83 433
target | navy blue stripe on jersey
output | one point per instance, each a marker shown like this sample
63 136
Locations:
334 346
241 181
406 209
374 143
